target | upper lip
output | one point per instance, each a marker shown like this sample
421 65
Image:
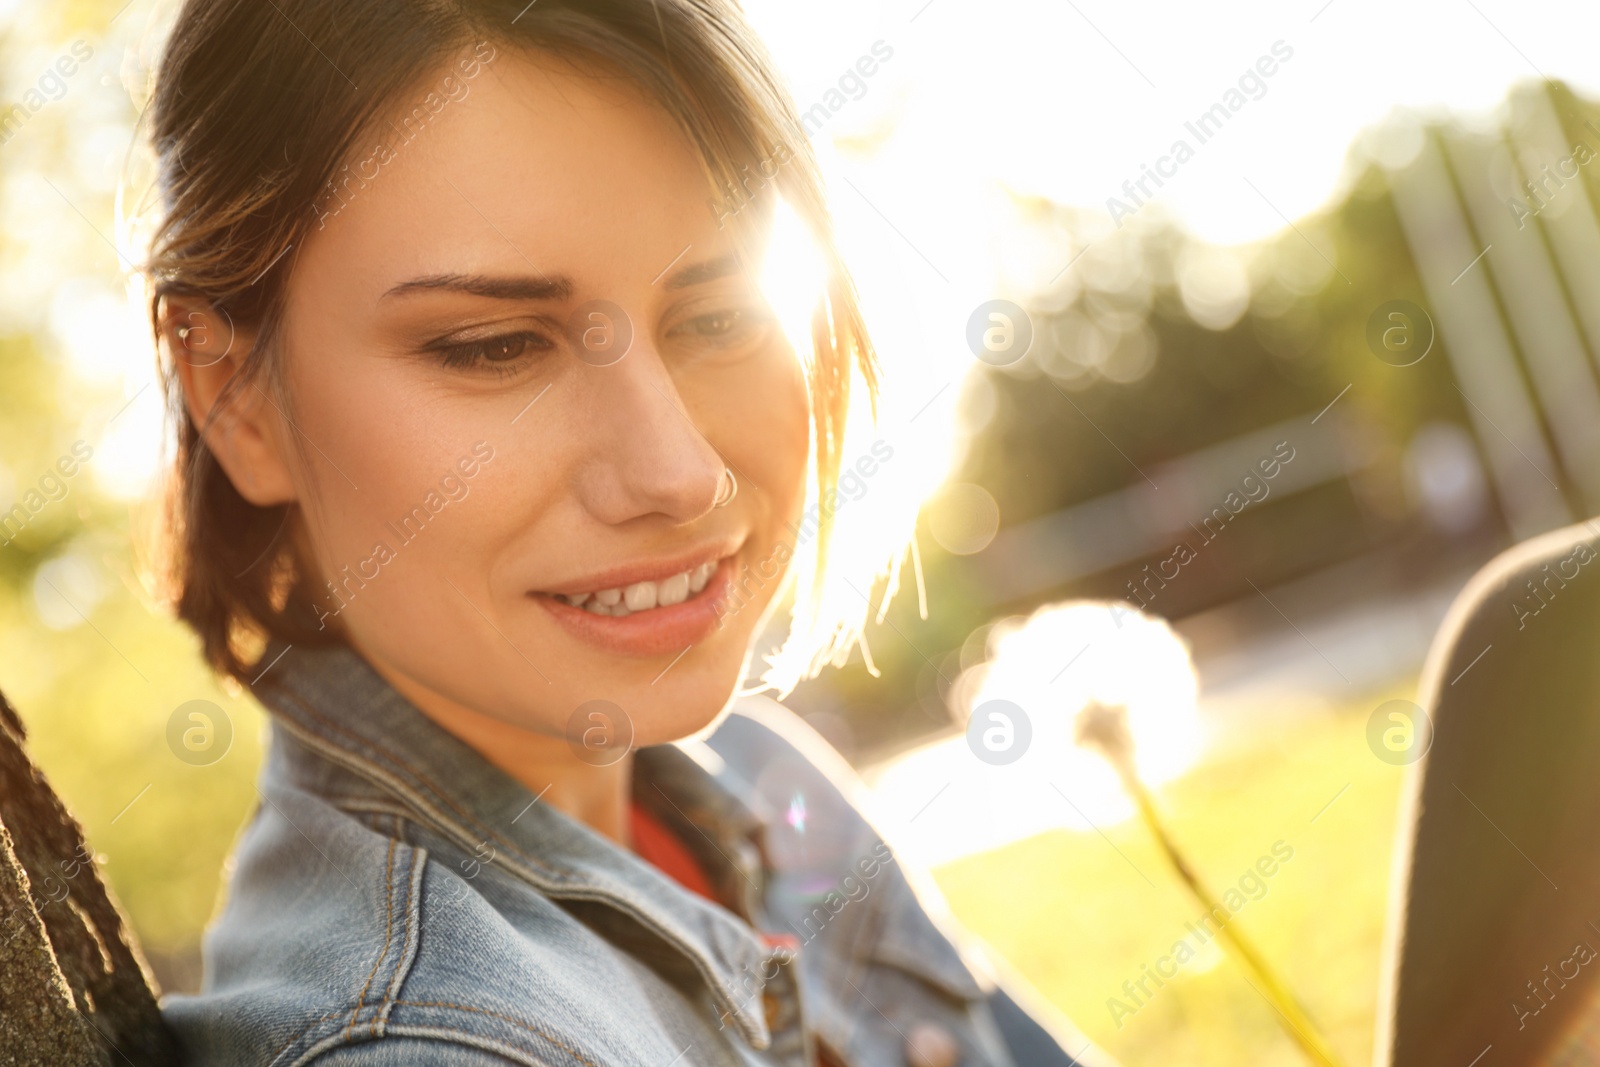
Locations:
653 569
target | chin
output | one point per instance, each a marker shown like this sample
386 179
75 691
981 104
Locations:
691 707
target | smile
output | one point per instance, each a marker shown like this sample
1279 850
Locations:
644 596
647 609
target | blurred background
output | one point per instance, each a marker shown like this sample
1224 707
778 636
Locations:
1348 243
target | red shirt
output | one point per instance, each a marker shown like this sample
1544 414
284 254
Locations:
661 848
658 846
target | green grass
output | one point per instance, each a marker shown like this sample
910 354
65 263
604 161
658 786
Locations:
1074 917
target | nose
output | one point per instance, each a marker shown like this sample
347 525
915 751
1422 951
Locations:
645 454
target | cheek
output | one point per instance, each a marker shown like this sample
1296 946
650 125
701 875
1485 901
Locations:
770 435
375 449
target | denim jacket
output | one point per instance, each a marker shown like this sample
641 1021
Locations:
396 899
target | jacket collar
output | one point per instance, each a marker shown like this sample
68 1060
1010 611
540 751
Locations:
339 709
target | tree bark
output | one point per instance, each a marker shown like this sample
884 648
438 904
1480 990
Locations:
73 988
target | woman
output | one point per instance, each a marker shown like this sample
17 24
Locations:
493 460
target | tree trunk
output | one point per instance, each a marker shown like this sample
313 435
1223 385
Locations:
73 989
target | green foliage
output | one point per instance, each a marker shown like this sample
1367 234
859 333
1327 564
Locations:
91 659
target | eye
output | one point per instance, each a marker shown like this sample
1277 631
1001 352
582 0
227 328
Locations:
724 330
500 352
716 324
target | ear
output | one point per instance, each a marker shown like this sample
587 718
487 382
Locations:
244 430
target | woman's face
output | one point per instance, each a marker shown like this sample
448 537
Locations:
479 470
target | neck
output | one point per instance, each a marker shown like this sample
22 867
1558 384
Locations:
596 796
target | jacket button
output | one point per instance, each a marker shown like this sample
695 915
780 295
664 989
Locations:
773 1010
931 1045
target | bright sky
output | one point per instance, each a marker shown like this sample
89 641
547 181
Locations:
1067 99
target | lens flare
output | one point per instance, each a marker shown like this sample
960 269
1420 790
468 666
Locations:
793 277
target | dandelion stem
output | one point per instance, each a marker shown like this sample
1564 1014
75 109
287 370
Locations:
1296 1023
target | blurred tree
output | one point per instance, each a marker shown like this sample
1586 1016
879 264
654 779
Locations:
1153 348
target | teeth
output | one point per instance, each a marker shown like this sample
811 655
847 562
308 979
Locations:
642 596
700 576
674 590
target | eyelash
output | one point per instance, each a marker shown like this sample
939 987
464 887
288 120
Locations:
736 315
475 354
741 317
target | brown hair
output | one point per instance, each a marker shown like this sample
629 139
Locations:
258 111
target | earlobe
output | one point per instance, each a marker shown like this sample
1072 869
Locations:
243 431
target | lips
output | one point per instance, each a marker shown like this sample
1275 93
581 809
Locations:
651 615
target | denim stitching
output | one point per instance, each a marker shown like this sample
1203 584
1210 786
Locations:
439 793
506 1018
302 1032
413 909
388 935
516 1052
313 1024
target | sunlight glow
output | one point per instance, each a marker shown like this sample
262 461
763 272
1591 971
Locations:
1067 102
792 276
1052 665
1118 657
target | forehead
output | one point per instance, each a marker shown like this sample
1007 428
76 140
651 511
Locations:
528 160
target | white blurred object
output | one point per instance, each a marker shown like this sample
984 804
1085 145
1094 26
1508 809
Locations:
1213 285
1445 477
66 590
944 801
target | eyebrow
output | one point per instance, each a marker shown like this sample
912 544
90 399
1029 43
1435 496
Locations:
516 287
705 271
556 287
